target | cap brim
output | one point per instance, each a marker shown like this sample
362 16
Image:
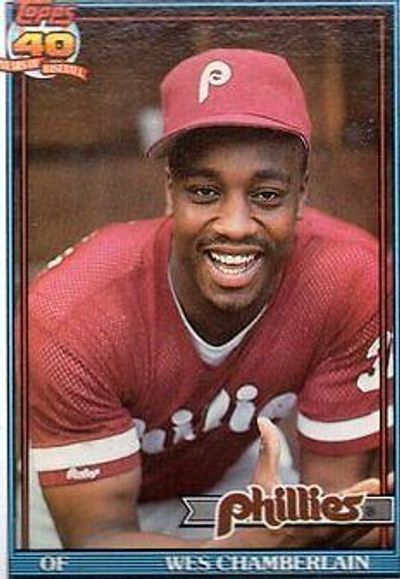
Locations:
161 147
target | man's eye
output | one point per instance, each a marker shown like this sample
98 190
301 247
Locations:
267 197
203 194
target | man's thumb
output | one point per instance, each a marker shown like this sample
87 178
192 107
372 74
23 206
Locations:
266 470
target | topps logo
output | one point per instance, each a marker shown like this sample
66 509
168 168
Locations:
34 12
286 505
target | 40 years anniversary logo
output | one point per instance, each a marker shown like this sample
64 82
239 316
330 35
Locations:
43 41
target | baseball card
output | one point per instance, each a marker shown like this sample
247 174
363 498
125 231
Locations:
200 307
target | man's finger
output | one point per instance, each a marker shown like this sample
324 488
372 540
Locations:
371 486
266 470
390 482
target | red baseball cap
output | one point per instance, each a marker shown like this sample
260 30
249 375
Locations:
232 87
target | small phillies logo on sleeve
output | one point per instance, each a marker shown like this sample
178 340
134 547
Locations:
285 505
43 41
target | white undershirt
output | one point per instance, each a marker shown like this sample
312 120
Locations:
213 355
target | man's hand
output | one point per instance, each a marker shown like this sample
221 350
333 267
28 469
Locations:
266 470
310 536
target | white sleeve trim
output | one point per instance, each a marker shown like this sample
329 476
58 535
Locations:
86 453
342 430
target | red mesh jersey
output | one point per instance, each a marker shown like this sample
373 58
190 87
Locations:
114 375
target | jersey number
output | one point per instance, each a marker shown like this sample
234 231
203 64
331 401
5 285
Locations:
369 381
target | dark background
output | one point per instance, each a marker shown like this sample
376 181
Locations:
85 160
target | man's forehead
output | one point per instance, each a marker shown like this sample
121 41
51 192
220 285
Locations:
260 173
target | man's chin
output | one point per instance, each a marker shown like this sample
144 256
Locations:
231 301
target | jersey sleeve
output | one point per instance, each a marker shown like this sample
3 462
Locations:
80 430
339 405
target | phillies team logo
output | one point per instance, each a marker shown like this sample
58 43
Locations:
43 41
285 505
216 73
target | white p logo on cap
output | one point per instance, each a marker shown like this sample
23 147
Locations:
216 73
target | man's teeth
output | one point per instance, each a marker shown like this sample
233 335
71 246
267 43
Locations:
230 259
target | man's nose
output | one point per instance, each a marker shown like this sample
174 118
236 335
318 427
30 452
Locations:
235 219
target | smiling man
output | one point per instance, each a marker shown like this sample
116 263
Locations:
155 346
236 197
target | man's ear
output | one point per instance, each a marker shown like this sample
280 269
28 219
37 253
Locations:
168 192
303 194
